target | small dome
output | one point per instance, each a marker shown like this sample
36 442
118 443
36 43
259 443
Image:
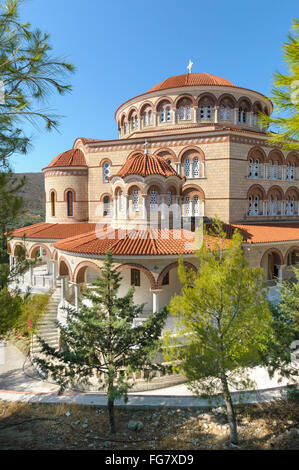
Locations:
191 79
146 165
73 157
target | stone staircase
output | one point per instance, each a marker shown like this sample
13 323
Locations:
47 329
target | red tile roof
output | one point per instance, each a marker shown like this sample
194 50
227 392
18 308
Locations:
73 157
191 79
97 239
53 231
145 165
131 242
269 233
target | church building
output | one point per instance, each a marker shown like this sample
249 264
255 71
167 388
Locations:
189 149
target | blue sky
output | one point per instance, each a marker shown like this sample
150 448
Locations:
123 48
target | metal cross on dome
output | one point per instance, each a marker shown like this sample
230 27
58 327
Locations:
190 65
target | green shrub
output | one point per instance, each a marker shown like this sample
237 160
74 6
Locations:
33 308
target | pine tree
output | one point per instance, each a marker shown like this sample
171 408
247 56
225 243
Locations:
222 318
100 338
29 73
285 331
285 96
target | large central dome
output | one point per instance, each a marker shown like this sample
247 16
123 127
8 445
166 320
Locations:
191 79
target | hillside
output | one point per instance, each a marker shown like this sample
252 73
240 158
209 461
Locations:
34 199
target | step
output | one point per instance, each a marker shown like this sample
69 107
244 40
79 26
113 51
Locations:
47 334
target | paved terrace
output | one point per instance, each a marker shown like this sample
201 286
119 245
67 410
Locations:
19 381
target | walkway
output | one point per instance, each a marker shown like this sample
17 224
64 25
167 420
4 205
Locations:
19 381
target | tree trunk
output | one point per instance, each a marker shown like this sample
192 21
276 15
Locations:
111 415
230 410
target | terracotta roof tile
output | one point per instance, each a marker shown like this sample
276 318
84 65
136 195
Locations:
131 242
145 165
191 79
73 157
269 233
53 231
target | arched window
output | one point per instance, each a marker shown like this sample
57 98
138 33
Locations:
187 167
106 202
70 203
290 206
106 171
185 110
275 171
148 118
242 114
135 204
165 115
293 258
169 198
254 206
195 168
121 201
153 200
196 211
134 122
187 206
52 197
290 171
254 168
135 277
205 111
273 206
251 168
225 113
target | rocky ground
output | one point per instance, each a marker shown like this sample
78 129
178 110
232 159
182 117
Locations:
61 426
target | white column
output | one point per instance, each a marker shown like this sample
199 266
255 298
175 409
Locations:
144 214
195 115
77 291
216 114
235 115
126 206
280 272
53 272
250 118
31 275
173 116
282 208
62 291
202 208
191 170
203 173
156 301
162 202
178 168
265 170
283 172
264 207
11 261
114 207
155 119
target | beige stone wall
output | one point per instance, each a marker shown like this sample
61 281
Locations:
61 181
194 93
257 255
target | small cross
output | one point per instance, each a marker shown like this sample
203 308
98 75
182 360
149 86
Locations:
145 146
190 65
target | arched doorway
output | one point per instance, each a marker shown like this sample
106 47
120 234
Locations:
271 263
